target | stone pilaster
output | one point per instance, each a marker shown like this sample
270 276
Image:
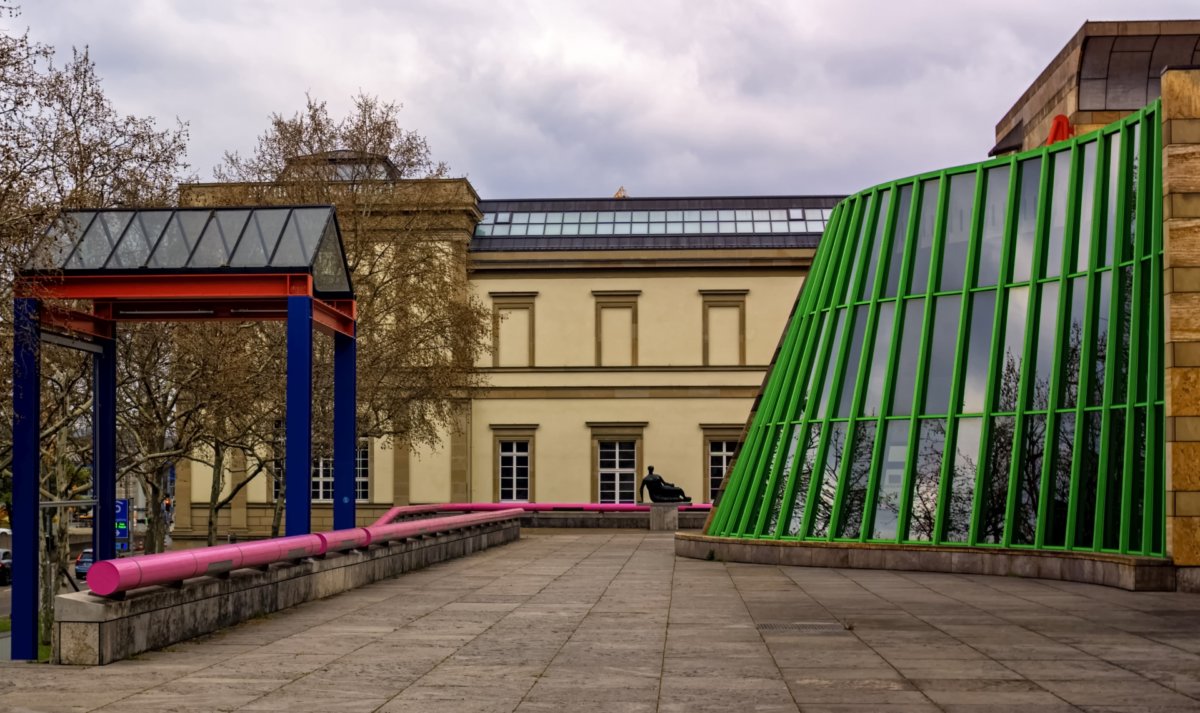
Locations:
1181 262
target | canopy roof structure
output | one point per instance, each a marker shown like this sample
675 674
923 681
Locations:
300 239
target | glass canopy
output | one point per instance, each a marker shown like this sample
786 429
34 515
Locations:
189 240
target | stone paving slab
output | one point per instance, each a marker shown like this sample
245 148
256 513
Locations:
607 620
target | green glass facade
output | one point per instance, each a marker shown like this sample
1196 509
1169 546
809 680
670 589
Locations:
976 358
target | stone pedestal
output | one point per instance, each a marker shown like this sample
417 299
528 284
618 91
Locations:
664 517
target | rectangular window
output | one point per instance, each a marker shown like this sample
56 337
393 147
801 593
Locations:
514 471
321 480
616 327
618 471
720 456
512 329
724 327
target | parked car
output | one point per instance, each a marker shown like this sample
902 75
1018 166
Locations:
83 563
5 567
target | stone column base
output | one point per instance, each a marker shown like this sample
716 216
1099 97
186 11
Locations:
664 517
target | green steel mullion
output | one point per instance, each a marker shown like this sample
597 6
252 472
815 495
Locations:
864 357
1087 350
868 516
839 349
1156 371
804 348
931 282
1114 314
906 259
1062 335
805 419
1138 312
1029 354
1012 208
945 481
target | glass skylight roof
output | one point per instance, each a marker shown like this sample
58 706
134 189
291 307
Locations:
300 239
656 222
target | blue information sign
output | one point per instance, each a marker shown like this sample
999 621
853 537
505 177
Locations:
122 523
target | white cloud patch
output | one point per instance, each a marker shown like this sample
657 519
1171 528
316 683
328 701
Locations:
541 99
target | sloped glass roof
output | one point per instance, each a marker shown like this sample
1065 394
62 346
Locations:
288 239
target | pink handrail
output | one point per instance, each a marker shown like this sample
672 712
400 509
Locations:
407 510
109 577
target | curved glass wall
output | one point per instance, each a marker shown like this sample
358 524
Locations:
975 359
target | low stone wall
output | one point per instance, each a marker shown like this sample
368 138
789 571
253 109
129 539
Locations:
637 520
1123 571
91 630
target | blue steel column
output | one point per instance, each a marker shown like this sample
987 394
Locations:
27 386
104 449
298 462
345 436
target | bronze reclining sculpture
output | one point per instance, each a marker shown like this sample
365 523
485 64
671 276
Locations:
660 490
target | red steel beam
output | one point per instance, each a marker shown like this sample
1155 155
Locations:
76 322
335 316
164 287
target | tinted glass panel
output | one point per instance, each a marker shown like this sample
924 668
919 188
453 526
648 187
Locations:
139 240
260 238
1129 231
827 490
909 341
1060 481
1029 480
803 481
979 352
994 501
854 490
1087 202
942 353
831 360
927 471
1100 341
1114 477
99 240
219 239
923 248
1071 350
861 246
893 461
1058 213
1030 177
958 231
881 217
1121 333
1089 466
1012 354
995 214
329 271
960 491
899 240
1043 348
849 376
878 360
1109 242
60 238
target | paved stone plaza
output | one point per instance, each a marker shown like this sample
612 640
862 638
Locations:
613 621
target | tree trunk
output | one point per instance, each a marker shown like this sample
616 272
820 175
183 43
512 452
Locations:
277 508
214 497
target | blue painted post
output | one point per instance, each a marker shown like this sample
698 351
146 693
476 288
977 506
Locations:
26 467
104 449
345 435
298 463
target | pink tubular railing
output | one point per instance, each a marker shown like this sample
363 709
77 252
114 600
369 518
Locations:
409 510
110 577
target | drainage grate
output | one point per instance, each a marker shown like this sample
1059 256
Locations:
807 627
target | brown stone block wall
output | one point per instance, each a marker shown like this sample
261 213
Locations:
1181 288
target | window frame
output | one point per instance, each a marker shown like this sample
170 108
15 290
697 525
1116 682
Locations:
514 432
609 431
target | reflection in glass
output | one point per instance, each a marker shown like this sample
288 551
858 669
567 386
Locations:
979 352
881 217
834 345
1142 376
961 489
1030 178
1089 467
899 239
994 501
927 469
1100 343
850 375
878 358
1137 491
1060 187
803 481
1129 233
995 211
1071 351
926 224
858 245
1121 332
1156 488
827 489
1012 356
1060 481
909 341
942 353
1043 348
1108 245
858 473
1087 199
1115 440
891 469
781 479
1029 480
958 231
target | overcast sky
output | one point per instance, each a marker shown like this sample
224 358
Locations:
558 99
